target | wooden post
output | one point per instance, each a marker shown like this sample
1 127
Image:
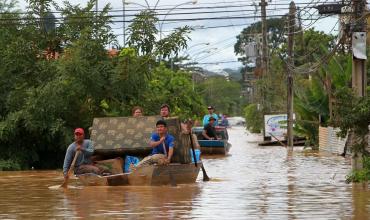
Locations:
291 28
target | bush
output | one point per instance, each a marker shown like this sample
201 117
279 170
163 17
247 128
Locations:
253 118
363 175
6 165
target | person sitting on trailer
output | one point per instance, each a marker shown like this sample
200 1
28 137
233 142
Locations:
137 111
209 131
162 143
224 121
164 111
186 128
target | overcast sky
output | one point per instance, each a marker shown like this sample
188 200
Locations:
212 41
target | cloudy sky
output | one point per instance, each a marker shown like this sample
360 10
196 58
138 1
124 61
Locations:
216 22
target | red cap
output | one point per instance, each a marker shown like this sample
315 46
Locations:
79 131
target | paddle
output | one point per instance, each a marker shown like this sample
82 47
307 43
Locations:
70 171
205 176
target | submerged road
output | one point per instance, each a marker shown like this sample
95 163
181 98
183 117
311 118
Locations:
252 182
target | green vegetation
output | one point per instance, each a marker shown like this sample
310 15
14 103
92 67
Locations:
9 165
360 175
354 117
254 118
316 98
224 95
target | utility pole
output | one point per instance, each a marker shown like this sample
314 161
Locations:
301 34
358 66
291 28
96 7
124 22
263 5
264 67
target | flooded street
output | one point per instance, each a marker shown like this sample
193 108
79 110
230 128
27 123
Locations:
252 182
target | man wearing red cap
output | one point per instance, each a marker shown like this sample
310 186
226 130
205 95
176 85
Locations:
83 162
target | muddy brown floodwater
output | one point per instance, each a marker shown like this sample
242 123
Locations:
252 182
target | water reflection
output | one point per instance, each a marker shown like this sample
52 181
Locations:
252 182
361 201
130 202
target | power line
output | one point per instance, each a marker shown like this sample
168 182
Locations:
215 62
118 16
223 6
136 9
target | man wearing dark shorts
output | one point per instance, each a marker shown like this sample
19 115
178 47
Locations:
209 131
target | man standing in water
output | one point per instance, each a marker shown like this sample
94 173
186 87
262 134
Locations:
83 163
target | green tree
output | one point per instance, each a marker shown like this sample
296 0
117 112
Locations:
275 26
175 89
314 46
8 6
225 95
143 32
315 98
45 98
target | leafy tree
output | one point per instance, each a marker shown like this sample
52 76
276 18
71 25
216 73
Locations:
275 26
8 6
175 89
225 95
45 98
143 32
354 117
315 45
315 98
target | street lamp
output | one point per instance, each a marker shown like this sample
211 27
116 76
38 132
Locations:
176 6
208 51
164 18
195 45
134 3
206 43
